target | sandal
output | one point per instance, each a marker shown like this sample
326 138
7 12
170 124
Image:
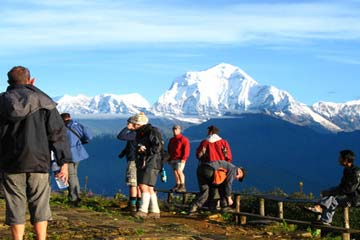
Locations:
314 210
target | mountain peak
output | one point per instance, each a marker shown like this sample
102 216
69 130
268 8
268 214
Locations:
346 115
106 103
223 89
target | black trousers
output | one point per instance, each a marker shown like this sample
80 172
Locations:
205 176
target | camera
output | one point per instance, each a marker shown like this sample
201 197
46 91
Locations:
141 148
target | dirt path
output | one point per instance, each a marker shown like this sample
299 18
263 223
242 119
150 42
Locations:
80 223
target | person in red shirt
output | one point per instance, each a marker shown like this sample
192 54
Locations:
213 148
179 151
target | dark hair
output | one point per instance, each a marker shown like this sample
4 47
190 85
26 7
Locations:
347 155
244 174
65 115
18 75
213 129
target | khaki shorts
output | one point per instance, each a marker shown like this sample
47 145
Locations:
177 165
131 174
22 189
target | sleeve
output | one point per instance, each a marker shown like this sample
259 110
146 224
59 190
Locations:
228 155
86 134
349 184
201 150
126 135
57 137
230 176
186 149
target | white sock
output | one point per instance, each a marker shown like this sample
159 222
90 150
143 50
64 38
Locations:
145 198
154 206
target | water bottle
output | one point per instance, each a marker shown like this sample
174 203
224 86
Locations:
59 183
163 175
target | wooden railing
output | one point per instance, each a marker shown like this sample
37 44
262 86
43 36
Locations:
241 217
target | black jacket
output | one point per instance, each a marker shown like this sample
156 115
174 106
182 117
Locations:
130 149
349 185
30 126
151 138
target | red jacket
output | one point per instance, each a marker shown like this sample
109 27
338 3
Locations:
214 148
179 147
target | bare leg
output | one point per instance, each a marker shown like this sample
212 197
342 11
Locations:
17 231
41 230
181 176
318 207
138 192
133 191
177 177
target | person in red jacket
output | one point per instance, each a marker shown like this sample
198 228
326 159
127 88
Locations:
179 151
214 148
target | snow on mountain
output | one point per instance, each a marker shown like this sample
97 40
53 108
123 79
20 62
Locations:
102 104
345 115
226 89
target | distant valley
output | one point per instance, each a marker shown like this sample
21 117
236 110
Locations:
276 153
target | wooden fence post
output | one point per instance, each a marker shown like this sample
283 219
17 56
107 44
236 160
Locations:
237 208
262 206
170 197
185 197
281 209
346 235
86 184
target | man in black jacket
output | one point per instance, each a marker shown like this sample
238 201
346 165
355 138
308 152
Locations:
347 193
30 126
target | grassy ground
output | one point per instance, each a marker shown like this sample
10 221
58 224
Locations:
107 218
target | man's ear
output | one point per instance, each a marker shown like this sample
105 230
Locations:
32 81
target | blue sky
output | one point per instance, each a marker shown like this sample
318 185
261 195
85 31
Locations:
309 48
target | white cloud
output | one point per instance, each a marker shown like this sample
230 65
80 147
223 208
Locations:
52 23
341 59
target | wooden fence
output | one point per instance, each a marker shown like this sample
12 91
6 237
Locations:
241 217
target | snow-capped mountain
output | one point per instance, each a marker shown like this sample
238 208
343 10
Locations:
345 115
102 104
226 89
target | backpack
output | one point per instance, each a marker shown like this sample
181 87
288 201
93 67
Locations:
219 176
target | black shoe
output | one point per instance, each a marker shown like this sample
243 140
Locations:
75 203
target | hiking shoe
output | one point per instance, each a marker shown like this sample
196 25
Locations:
175 188
140 214
153 215
132 208
181 188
